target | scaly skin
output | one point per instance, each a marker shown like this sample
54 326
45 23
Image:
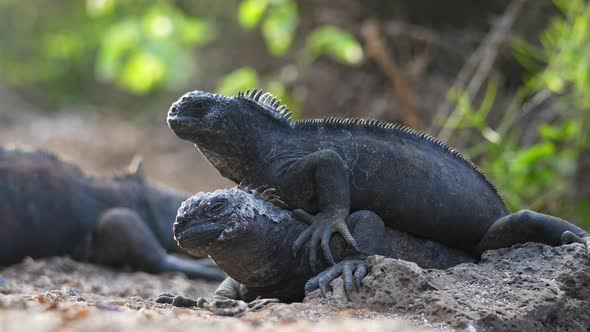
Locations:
50 208
250 238
332 167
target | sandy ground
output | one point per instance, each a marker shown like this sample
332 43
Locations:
58 294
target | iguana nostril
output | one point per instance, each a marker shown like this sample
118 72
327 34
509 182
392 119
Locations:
173 109
180 224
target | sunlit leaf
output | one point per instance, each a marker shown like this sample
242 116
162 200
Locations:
96 8
238 80
159 25
527 158
142 72
279 27
195 31
337 43
250 12
118 41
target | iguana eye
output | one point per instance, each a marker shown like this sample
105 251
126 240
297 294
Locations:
199 104
216 208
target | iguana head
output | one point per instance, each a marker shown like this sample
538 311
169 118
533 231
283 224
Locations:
227 129
242 231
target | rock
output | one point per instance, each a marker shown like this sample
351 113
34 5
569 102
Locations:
527 287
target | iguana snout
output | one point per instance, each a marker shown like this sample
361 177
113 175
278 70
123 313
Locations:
196 112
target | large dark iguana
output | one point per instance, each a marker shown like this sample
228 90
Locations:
249 237
328 168
49 207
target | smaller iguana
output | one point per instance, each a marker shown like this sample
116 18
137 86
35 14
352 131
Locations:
249 236
49 207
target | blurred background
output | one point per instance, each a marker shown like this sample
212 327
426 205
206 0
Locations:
505 82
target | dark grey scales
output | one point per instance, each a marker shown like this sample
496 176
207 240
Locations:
249 237
326 169
49 207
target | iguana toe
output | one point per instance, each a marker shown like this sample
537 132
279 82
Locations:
569 237
352 270
318 235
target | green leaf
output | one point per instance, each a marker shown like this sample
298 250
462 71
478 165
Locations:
159 25
527 158
142 72
196 32
279 27
96 8
116 44
238 80
250 12
337 43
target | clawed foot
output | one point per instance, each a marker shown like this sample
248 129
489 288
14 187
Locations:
352 270
569 237
219 306
319 233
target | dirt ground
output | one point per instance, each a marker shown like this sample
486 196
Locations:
58 294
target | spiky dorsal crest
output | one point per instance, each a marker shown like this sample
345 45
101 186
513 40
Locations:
263 192
267 102
396 127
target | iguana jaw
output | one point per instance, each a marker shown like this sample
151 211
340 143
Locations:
183 126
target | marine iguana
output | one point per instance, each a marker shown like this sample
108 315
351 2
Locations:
330 167
249 236
49 207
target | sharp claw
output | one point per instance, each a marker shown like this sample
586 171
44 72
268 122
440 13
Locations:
359 274
347 274
354 245
313 249
301 240
327 234
343 230
348 280
311 285
323 287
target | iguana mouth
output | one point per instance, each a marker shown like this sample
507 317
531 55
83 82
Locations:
182 123
197 235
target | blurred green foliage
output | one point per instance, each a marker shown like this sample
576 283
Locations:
539 175
333 41
139 52
141 46
104 40
280 19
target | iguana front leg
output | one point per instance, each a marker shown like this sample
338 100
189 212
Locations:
329 179
227 301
